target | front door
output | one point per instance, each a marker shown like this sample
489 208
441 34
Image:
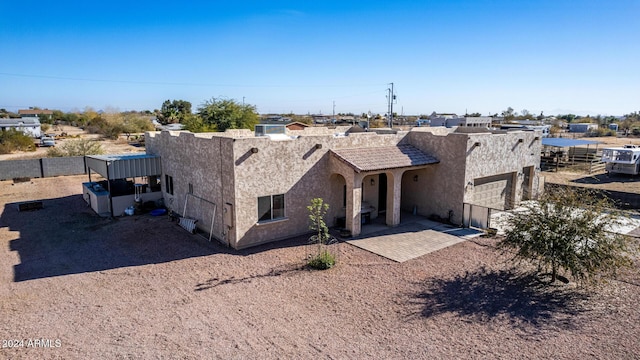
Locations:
382 193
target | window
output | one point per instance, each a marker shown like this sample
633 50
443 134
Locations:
271 207
168 184
190 188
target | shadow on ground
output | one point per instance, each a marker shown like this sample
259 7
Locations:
66 237
521 298
287 270
606 179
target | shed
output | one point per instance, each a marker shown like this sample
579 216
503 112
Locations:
582 127
129 179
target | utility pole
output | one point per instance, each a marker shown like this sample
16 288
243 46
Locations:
333 117
391 97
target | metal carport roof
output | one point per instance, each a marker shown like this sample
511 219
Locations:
124 166
563 142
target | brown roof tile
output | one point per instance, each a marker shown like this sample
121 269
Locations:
383 158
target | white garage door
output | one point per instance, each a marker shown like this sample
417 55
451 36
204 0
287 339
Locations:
493 191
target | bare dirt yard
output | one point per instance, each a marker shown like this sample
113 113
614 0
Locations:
119 146
141 287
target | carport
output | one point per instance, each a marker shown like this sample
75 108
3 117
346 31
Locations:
128 179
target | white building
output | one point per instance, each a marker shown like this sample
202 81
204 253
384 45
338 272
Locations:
453 120
30 125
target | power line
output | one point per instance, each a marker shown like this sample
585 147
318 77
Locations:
37 76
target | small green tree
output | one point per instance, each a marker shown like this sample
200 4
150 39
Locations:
228 114
323 259
570 230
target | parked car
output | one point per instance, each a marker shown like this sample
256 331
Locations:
47 141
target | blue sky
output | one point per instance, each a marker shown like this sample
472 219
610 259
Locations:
556 56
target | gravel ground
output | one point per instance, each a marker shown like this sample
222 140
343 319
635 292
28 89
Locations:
141 287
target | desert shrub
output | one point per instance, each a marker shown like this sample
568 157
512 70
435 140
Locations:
324 260
13 140
76 148
569 230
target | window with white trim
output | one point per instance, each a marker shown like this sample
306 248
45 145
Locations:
270 207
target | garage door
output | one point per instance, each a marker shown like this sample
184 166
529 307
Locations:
493 191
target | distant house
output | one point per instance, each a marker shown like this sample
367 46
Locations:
30 113
453 120
296 126
582 127
29 125
321 119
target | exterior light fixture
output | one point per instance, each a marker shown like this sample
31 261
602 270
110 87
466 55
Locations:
415 178
373 182
477 144
318 146
536 138
254 150
520 140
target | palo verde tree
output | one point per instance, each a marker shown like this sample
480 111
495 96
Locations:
228 114
570 230
322 258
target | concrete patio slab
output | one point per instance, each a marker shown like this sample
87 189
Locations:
409 241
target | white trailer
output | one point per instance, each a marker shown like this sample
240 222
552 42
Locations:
622 160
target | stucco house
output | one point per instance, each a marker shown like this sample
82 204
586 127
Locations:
246 190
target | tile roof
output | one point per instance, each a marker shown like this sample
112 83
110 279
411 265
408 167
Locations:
35 112
383 158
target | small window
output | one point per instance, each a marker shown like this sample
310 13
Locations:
190 188
271 207
168 184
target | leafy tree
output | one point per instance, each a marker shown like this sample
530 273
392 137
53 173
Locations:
195 124
568 117
174 111
228 114
475 114
569 230
508 114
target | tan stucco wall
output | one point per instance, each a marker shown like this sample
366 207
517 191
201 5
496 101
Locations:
502 154
444 186
223 168
203 160
295 168
440 187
